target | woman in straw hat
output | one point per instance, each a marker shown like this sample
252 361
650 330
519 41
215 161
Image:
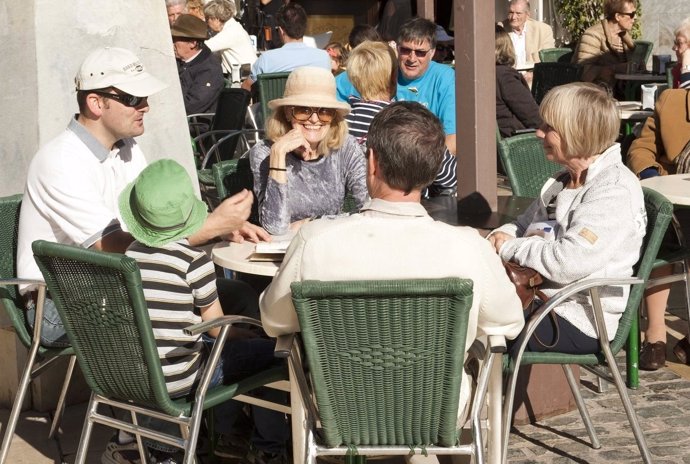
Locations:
309 161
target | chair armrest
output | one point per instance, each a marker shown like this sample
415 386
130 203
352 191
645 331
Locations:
284 345
497 344
22 282
191 117
222 321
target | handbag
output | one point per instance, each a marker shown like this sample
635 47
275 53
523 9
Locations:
527 282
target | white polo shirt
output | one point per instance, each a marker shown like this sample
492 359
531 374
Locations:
520 43
71 193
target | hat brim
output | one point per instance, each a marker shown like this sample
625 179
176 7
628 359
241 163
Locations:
157 238
142 85
311 100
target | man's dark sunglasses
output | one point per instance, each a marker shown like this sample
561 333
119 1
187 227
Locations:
631 15
124 98
418 53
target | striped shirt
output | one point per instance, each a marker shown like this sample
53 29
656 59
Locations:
178 279
359 119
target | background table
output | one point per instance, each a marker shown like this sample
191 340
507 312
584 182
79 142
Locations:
638 78
675 187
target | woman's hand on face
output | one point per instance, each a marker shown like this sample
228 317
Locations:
497 239
294 141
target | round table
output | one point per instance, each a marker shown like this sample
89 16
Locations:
675 187
235 256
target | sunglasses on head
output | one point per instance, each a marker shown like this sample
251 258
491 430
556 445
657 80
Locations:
418 53
124 98
303 113
631 15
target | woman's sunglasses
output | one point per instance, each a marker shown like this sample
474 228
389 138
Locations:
303 113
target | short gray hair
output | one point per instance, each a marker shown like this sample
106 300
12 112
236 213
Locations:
223 10
169 3
683 29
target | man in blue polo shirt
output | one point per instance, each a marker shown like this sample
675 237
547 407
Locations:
419 78
292 23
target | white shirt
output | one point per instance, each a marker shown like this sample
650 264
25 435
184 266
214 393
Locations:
71 193
519 42
233 44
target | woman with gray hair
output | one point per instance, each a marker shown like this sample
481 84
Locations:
588 222
231 41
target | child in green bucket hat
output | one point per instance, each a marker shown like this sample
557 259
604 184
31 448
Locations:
160 209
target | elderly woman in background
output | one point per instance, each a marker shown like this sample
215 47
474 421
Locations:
604 48
309 162
681 45
516 108
588 222
230 39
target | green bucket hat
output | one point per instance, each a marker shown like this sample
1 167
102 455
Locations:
160 207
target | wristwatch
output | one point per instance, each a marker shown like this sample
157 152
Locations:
685 68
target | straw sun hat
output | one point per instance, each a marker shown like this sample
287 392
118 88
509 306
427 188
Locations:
160 207
310 86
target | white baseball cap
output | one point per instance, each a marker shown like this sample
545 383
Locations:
119 68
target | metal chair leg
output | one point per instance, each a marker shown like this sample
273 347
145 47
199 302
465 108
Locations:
575 389
59 411
18 401
627 405
86 431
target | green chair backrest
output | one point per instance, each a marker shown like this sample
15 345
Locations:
271 86
9 295
525 164
659 214
642 51
555 55
100 300
386 358
230 177
550 75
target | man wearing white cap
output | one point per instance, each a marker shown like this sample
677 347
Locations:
74 180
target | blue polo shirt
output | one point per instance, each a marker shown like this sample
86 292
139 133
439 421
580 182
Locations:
435 89
288 57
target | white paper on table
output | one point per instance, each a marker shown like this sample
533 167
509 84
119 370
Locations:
278 245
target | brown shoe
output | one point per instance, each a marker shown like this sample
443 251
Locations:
682 350
652 356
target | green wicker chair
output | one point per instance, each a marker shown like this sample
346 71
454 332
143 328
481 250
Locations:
100 299
525 164
271 86
550 75
39 357
642 51
230 177
386 362
556 55
603 364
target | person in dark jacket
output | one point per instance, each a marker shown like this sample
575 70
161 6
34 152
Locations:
515 106
200 71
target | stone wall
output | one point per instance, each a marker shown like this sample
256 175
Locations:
659 19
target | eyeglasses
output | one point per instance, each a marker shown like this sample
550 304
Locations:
679 43
124 98
418 53
631 15
303 113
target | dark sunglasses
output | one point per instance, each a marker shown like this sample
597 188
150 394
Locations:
418 53
303 113
124 98
631 15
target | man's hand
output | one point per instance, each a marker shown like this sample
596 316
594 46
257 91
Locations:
250 232
230 216
497 239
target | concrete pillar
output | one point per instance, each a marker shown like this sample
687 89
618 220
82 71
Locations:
45 42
